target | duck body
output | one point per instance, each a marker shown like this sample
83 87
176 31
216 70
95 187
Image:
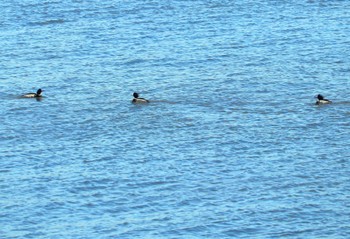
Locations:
33 95
138 100
321 100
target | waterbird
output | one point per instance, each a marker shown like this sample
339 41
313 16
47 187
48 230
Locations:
138 100
33 95
322 100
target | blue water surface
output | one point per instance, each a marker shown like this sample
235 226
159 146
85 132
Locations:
232 144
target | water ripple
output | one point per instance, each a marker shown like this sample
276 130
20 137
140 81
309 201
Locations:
231 145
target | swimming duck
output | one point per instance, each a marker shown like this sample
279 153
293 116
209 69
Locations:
138 100
322 100
33 95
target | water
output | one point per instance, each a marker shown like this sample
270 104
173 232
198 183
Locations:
231 145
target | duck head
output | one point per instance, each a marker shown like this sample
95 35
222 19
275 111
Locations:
38 93
319 97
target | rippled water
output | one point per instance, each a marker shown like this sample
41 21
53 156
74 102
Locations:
231 145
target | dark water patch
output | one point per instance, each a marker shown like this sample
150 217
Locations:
48 22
